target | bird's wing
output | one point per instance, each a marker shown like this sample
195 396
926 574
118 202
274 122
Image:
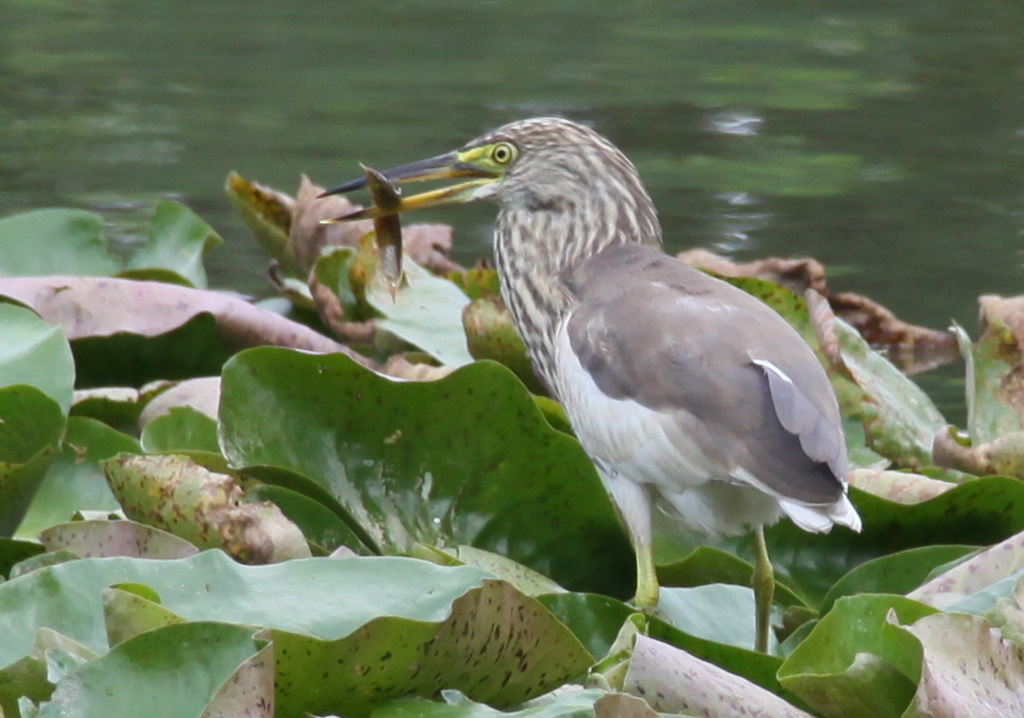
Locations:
738 384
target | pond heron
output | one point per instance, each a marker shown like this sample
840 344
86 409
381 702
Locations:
688 394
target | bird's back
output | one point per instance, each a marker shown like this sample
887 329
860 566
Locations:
726 388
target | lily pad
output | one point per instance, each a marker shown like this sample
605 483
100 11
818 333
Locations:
899 572
98 539
986 567
127 332
75 482
35 353
968 669
980 512
54 241
570 703
177 240
369 628
900 420
71 242
467 460
171 671
674 681
175 494
30 435
855 662
182 428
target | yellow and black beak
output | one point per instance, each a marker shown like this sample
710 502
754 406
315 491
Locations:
452 165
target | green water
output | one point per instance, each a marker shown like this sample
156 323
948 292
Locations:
884 138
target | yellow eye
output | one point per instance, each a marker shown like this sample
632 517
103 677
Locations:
503 153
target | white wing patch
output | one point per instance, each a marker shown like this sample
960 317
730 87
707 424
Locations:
800 417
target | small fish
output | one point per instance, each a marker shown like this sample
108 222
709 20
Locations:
388 228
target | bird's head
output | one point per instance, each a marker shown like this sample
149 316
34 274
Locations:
540 164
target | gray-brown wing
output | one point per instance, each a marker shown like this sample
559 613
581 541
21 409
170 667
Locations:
651 329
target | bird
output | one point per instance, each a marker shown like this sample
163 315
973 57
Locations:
690 396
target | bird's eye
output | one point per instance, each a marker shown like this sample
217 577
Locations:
503 153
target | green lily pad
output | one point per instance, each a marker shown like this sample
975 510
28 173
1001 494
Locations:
337 595
709 564
525 579
490 334
13 551
182 428
178 238
171 671
465 460
593 618
718 612
426 312
54 241
35 353
71 242
75 482
369 628
497 646
192 349
898 572
981 512
900 420
117 406
133 608
596 620
855 662
30 435
321 526
42 560
27 678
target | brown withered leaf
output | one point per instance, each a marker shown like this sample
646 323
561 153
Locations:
308 236
1005 316
430 246
1003 320
490 334
796 275
104 306
1003 456
898 486
823 322
400 367
912 348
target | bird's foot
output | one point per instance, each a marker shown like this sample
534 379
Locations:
610 672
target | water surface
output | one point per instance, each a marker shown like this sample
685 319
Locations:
884 138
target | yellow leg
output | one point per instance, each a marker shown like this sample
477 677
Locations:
764 590
646 578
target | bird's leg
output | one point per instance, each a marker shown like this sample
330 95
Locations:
646 578
633 504
764 590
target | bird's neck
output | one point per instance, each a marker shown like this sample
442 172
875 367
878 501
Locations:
537 250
